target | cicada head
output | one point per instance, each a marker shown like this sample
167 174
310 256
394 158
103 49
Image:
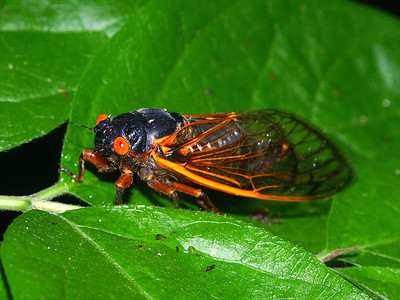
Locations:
120 135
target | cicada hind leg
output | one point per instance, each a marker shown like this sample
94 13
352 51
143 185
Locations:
170 188
201 197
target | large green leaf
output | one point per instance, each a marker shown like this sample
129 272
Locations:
157 253
45 50
333 63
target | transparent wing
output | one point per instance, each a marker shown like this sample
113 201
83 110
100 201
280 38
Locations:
265 154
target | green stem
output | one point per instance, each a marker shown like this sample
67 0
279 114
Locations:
52 192
38 201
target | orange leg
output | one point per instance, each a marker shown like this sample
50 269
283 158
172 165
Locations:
171 188
199 194
98 160
124 181
165 189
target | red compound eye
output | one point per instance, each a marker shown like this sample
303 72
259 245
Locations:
121 146
100 118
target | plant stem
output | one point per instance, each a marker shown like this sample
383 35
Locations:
38 201
335 253
52 192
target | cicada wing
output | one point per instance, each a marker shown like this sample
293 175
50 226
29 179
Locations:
266 154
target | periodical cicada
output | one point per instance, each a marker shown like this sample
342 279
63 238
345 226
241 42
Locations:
265 154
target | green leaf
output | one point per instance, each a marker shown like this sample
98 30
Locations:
154 252
3 288
333 63
38 82
381 254
386 281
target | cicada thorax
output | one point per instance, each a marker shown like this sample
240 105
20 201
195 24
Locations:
126 139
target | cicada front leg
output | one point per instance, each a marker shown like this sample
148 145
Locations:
98 160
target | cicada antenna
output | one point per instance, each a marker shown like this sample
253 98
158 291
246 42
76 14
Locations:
83 126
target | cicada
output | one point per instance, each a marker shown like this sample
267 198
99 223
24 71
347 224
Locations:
265 154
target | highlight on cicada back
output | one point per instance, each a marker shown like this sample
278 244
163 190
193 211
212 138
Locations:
264 154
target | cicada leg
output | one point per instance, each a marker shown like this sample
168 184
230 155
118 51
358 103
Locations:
98 160
166 190
124 181
171 188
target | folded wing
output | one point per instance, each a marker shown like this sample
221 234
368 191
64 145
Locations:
265 154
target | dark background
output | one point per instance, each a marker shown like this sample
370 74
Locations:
390 6
33 167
